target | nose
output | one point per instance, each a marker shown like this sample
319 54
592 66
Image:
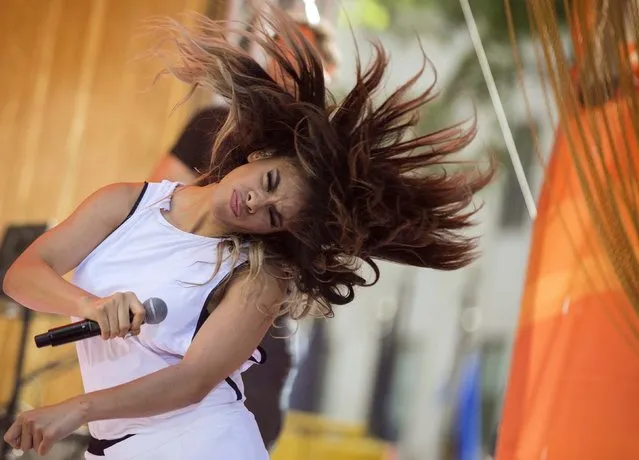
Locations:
255 201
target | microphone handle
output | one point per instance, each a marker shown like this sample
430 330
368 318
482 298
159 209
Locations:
68 333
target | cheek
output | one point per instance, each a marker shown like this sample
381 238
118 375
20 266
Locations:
261 225
221 203
250 224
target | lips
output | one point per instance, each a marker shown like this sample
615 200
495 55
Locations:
235 203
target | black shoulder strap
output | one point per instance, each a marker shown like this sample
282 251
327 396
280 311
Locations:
204 314
135 205
137 202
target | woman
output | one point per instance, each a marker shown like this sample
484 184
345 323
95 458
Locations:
300 192
191 155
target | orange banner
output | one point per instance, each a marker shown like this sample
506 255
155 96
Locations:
573 391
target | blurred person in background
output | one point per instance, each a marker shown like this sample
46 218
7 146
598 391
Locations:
302 191
187 159
191 154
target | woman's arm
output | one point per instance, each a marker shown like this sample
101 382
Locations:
225 341
35 279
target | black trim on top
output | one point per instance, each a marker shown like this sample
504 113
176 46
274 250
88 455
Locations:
97 446
204 314
232 384
135 205
138 201
263 356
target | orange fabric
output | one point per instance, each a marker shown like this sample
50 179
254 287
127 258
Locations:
573 391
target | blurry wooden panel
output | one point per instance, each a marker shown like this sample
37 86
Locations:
78 111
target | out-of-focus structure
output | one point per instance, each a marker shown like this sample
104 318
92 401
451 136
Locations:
78 111
573 390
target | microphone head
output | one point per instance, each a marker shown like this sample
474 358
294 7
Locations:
156 310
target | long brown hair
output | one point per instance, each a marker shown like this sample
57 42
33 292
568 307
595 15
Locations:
375 191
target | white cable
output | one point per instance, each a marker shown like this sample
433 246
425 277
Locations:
499 109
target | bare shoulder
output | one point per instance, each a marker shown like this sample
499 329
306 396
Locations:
115 200
68 243
124 192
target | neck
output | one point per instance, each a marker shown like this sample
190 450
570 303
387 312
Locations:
191 211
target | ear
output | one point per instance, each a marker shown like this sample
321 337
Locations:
258 155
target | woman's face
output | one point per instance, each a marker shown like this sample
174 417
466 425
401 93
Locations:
261 197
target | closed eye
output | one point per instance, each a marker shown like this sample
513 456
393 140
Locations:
276 220
272 180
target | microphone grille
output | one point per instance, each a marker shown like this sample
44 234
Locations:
156 310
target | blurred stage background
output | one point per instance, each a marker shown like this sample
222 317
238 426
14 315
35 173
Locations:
78 111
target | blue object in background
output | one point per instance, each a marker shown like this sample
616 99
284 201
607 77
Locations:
469 409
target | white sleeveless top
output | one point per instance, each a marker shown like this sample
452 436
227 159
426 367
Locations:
150 257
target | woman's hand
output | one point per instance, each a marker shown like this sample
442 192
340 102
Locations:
113 314
38 429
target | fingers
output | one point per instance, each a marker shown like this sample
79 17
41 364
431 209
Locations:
116 302
26 441
45 444
12 436
108 316
103 321
119 315
37 440
137 309
39 429
124 322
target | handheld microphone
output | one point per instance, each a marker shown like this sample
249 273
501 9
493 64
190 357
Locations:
155 309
